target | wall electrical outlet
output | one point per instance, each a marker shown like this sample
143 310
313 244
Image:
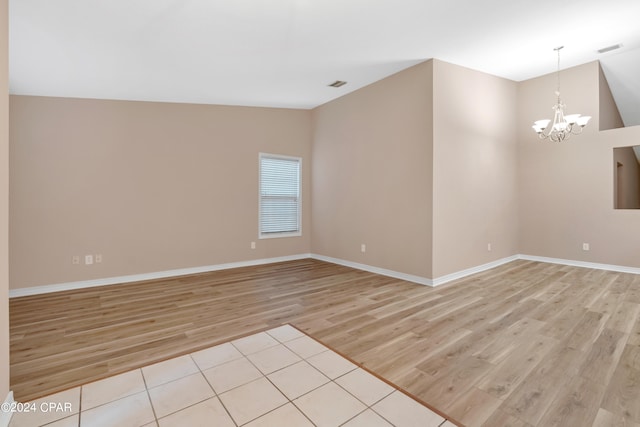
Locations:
585 247
488 247
253 245
363 248
88 259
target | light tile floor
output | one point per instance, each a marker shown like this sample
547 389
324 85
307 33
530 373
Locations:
277 378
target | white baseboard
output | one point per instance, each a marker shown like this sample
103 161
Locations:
416 279
14 293
5 417
473 270
377 270
584 264
21 292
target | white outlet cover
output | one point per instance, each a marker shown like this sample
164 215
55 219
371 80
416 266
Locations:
88 259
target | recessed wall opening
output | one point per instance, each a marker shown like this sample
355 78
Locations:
626 182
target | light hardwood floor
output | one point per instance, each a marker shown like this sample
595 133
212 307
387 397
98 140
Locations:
524 344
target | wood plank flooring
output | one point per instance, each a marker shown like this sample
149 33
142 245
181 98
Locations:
524 344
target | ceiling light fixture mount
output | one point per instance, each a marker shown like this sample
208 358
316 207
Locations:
563 126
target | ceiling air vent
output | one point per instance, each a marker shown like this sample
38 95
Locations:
610 48
338 83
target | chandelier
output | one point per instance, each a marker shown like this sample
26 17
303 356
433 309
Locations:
563 125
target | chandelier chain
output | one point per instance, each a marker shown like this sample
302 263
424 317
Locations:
558 71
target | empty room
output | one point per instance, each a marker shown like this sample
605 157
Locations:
296 213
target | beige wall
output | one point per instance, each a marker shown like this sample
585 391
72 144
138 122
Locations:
150 186
566 189
626 191
372 174
422 157
4 201
474 169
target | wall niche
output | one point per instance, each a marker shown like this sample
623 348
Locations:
626 180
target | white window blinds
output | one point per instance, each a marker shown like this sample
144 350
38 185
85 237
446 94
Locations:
280 204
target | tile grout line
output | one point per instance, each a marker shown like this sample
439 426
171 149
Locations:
216 394
80 407
146 389
282 343
245 356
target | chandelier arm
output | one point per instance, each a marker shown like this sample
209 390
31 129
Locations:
577 130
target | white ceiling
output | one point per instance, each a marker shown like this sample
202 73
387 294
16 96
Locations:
284 53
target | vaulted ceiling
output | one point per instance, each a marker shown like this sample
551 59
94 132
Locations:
284 53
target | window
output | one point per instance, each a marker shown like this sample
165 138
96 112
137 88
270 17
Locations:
280 204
